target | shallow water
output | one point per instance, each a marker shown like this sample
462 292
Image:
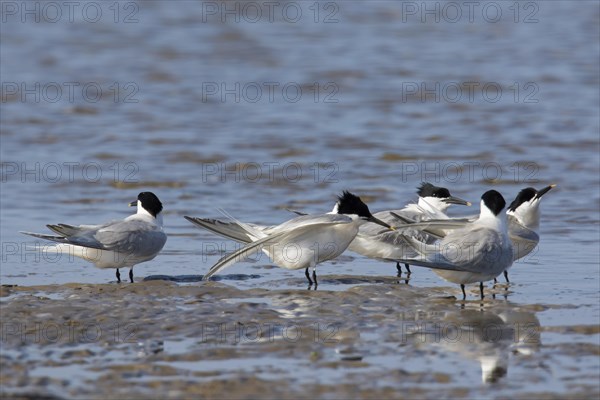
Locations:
370 119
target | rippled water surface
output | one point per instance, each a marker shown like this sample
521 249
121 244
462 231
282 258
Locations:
214 109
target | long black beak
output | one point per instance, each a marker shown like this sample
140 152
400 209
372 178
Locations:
545 190
133 204
456 200
380 222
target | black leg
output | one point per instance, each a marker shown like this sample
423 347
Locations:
481 289
407 268
131 274
315 277
118 276
399 268
495 281
506 276
462 286
310 282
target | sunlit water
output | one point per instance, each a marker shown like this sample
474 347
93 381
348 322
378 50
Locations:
385 104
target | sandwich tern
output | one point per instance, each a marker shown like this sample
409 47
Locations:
524 221
302 242
372 242
523 217
477 252
116 244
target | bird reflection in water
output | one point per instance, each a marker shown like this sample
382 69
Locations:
488 336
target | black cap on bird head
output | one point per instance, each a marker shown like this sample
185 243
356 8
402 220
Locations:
349 203
524 195
428 190
494 201
149 202
528 194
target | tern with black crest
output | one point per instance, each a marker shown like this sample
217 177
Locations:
524 222
372 242
479 251
116 244
523 217
300 243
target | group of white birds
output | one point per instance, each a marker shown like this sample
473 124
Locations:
460 250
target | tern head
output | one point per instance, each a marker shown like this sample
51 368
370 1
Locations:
350 204
525 207
438 197
492 204
147 203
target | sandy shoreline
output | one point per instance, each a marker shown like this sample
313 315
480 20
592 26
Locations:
158 338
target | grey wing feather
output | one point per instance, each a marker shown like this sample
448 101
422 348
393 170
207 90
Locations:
84 241
524 240
309 220
293 232
461 251
435 228
230 259
131 237
475 245
229 230
80 230
59 239
128 237
519 232
64 229
372 229
434 223
445 266
404 219
375 232
296 212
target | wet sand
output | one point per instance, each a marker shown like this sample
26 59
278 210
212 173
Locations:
376 339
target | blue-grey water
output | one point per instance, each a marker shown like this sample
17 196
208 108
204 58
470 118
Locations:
257 107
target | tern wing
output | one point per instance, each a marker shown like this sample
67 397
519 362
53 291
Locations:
436 228
443 265
469 250
229 230
128 237
296 211
131 237
524 240
372 229
73 231
431 213
414 212
294 233
434 223
310 220
518 232
232 258
62 239
82 235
